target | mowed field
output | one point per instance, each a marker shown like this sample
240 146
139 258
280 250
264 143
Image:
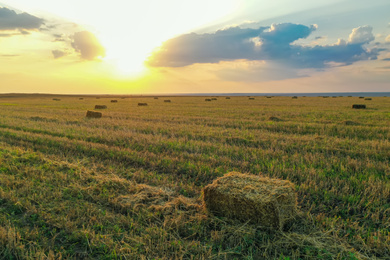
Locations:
128 185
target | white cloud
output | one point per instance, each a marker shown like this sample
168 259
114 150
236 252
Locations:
87 45
362 34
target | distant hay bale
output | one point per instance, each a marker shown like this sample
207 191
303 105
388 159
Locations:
142 104
207 99
361 97
214 99
227 97
114 101
368 99
350 123
56 99
334 97
251 98
294 97
274 118
81 98
325 96
260 200
100 106
93 114
167 101
358 106
156 98
268 97
349 96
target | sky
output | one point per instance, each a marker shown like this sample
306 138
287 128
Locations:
188 46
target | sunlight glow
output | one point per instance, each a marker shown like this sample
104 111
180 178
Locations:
130 30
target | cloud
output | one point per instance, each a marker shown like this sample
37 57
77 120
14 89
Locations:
10 20
21 32
387 40
58 54
87 45
361 35
274 43
10 55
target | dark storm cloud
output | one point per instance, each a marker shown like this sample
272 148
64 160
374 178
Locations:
87 45
274 43
10 20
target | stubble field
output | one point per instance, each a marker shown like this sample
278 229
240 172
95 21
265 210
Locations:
128 185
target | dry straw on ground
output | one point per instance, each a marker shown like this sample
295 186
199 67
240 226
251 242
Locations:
358 106
100 106
249 198
93 114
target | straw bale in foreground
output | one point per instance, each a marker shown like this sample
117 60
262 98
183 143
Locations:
260 200
93 114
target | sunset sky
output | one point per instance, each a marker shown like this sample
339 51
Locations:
188 46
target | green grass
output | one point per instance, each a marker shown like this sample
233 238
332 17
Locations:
128 185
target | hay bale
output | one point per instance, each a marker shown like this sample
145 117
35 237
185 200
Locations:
361 97
325 96
93 114
294 97
227 97
214 99
368 99
81 98
142 104
268 96
114 101
100 106
274 118
251 98
260 200
348 122
207 99
56 99
359 106
167 101
156 98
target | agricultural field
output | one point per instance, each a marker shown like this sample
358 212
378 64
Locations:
128 185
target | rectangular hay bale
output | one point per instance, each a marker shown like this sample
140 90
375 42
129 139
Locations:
93 114
259 200
359 106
